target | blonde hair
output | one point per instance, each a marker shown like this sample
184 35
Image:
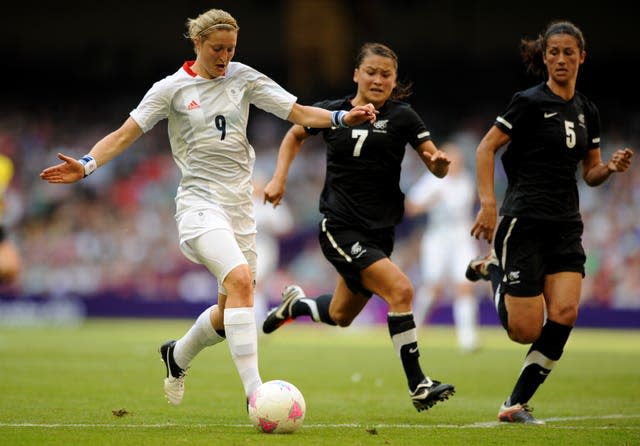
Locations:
209 21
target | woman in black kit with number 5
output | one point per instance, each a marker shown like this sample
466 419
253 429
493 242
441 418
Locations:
537 264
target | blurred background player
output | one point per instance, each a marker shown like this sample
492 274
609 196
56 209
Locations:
272 224
10 260
361 204
537 264
445 247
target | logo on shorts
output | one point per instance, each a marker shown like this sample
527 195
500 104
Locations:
513 277
357 250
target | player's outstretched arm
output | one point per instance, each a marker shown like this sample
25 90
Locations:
72 170
309 116
69 171
361 114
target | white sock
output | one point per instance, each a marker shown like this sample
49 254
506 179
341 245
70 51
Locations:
242 335
260 306
200 335
423 303
465 314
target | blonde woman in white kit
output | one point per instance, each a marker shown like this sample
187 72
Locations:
206 103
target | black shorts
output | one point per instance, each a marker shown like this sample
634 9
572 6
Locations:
352 250
3 234
529 249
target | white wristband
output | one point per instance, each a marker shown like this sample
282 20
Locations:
337 118
89 164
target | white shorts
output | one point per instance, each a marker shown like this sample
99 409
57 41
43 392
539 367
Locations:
220 239
445 254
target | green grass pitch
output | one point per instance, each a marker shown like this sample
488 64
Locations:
100 384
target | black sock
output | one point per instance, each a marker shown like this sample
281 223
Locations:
495 275
402 330
319 306
502 310
541 358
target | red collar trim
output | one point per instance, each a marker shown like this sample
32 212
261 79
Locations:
186 66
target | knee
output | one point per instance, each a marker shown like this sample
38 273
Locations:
341 318
524 333
566 315
402 294
239 284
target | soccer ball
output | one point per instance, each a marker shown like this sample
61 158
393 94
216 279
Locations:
277 407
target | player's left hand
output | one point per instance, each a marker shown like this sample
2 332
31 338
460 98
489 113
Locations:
620 160
360 114
439 163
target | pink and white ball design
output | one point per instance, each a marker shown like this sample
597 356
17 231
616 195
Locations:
277 407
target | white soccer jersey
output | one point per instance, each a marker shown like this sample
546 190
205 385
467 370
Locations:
446 245
207 122
449 200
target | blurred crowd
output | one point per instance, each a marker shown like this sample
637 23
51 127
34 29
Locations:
114 232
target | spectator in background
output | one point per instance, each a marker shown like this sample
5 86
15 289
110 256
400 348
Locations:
10 259
445 248
206 103
538 263
362 204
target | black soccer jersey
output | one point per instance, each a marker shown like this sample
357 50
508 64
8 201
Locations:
362 181
549 137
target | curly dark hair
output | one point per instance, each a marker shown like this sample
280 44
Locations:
532 50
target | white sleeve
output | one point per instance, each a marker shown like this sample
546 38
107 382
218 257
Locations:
425 190
268 95
154 107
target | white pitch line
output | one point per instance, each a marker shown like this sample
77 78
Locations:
489 424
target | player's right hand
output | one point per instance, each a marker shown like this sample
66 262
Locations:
69 171
273 192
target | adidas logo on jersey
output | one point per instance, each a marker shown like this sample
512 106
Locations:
193 105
